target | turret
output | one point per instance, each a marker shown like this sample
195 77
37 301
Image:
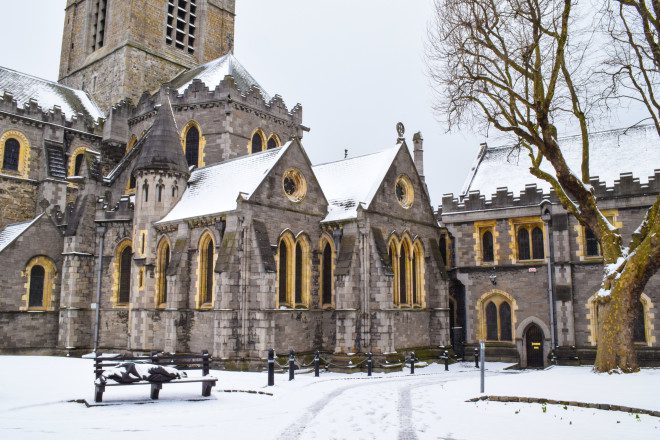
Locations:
418 153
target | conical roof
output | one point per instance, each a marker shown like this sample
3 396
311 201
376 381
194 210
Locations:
162 148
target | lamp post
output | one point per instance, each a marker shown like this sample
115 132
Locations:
546 216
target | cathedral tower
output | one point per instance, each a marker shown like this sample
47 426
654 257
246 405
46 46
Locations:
120 49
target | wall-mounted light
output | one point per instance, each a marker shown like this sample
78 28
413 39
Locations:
493 278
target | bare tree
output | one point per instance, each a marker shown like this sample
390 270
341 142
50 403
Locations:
526 67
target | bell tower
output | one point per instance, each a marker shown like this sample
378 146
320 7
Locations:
117 49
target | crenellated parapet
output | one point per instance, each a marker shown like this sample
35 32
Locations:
625 186
106 211
33 112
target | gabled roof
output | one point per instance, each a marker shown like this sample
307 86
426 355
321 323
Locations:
11 232
215 189
48 94
350 182
213 72
162 148
634 150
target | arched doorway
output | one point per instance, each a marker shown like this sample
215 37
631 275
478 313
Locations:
534 346
457 316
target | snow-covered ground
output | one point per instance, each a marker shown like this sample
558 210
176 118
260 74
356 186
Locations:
35 395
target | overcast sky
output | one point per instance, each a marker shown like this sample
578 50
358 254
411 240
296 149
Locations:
355 66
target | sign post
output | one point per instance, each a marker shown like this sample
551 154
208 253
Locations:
482 361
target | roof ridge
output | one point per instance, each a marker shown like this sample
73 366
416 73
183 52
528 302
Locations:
42 79
247 156
357 157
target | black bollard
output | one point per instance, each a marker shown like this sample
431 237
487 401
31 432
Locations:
446 356
476 358
370 364
271 367
412 362
317 361
292 365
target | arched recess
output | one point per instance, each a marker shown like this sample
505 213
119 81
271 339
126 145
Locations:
122 278
522 342
418 274
194 144
40 273
273 142
648 309
285 252
163 259
76 160
257 141
205 271
20 159
496 297
405 271
327 258
302 271
393 248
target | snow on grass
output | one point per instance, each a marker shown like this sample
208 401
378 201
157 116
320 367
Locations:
431 404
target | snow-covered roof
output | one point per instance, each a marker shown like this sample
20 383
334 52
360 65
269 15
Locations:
215 189
349 182
634 150
11 232
48 94
213 72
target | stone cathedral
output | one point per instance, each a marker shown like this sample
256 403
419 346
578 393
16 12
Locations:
158 198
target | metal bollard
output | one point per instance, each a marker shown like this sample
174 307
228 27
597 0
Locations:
446 356
271 367
317 361
370 364
412 362
292 364
476 358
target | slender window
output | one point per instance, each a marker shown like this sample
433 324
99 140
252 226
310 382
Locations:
523 244
206 270
443 249
639 328
592 245
415 293
284 272
145 191
78 164
192 146
98 24
272 143
505 322
125 275
538 251
164 260
299 274
11 155
326 273
491 321
181 24
132 182
257 143
402 276
159 193
37 283
487 247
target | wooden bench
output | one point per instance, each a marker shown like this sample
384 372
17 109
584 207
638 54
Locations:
180 361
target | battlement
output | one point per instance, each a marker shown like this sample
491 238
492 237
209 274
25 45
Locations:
121 211
626 186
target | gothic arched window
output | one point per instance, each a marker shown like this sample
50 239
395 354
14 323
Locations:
487 247
538 252
283 271
257 142
491 322
125 258
192 146
12 154
77 167
403 275
163 265
40 273
592 245
505 322
639 327
523 244
37 283
206 256
273 143
326 273
299 274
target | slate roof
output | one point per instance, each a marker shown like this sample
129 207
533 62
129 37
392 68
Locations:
213 72
215 189
634 150
162 146
349 182
11 232
48 94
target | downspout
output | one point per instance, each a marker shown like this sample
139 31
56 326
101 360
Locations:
547 218
100 230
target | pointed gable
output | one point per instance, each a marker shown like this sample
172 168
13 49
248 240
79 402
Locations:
350 182
162 148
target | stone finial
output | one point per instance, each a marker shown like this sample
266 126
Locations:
401 131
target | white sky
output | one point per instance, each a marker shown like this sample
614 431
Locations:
356 66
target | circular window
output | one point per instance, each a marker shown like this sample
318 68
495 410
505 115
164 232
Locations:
405 193
294 185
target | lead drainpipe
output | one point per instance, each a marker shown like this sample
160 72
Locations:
100 230
547 218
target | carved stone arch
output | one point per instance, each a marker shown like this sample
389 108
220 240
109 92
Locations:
201 147
205 275
522 327
262 135
480 307
521 341
649 315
